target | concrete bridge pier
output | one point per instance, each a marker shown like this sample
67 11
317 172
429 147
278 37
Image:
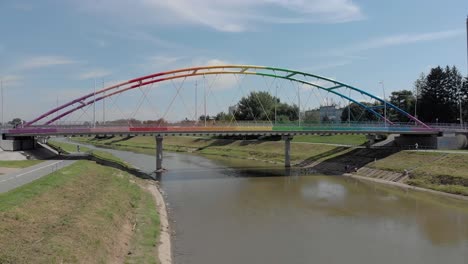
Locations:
159 153
287 151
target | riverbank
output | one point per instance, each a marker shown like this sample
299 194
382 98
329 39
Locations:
84 213
164 251
446 172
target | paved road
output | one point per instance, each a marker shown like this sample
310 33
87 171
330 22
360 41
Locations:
18 178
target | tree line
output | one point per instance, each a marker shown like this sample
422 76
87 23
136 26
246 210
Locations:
436 97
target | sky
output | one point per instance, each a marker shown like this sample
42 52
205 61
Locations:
52 51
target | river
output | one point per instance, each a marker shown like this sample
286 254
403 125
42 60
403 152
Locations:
238 211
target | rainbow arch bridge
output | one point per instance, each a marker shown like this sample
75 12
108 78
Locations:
49 123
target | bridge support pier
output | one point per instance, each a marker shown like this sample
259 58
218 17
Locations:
287 151
159 153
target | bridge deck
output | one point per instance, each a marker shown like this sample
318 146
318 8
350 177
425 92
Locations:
216 131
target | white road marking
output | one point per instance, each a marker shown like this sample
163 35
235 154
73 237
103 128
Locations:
40 168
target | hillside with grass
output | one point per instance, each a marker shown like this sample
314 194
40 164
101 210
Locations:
84 213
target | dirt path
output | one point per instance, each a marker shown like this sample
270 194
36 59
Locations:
4 170
164 248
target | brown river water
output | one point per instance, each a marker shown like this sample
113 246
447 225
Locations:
238 211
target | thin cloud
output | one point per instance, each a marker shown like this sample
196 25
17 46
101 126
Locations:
402 39
44 61
98 73
11 80
164 60
228 15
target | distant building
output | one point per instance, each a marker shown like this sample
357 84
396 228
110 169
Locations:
330 113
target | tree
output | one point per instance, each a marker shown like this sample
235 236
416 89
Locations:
16 122
256 106
312 116
419 85
405 100
202 117
441 93
160 121
262 105
286 112
358 113
222 116
464 99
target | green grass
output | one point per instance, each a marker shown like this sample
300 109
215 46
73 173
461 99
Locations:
446 172
67 147
18 163
147 229
405 160
272 151
82 213
334 139
71 148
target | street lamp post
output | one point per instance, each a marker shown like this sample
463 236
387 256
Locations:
94 105
385 102
1 87
460 100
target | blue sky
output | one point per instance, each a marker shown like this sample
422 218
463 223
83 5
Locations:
54 49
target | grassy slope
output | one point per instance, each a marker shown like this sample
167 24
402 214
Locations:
70 148
335 139
77 214
18 163
263 150
446 172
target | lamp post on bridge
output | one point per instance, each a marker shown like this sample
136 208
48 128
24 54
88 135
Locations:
1 87
94 104
385 102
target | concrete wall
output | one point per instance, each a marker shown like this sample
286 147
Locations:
452 142
411 140
448 141
17 143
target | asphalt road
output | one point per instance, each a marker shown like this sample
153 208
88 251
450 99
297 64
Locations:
13 180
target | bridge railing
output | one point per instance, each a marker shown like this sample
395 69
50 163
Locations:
215 123
218 126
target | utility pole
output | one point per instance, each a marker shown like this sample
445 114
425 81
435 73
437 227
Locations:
385 103
196 102
276 100
299 104
1 87
461 99
204 101
56 114
103 104
94 104
349 109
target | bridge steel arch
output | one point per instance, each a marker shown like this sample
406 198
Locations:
273 72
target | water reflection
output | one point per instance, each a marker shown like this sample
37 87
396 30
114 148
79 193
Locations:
238 211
